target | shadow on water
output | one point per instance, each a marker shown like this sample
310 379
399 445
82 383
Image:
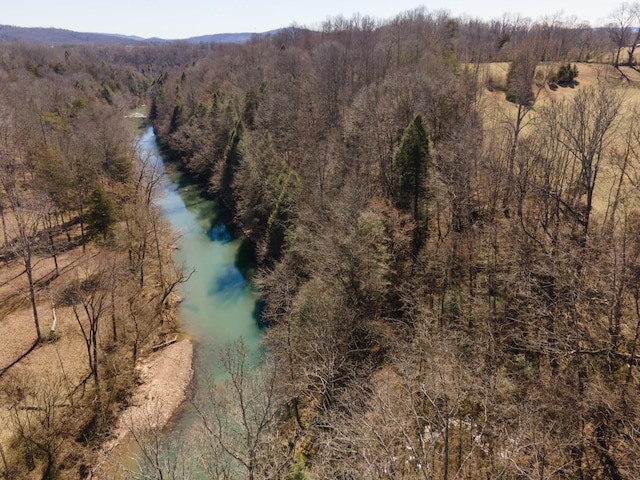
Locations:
257 314
219 233
229 284
200 202
246 261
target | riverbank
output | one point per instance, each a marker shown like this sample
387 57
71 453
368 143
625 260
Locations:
57 371
165 378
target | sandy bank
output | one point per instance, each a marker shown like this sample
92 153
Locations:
166 376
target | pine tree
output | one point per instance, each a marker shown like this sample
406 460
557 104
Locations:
411 164
232 156
102 214
566 74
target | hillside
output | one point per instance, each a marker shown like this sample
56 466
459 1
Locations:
56 36
84 291
443 270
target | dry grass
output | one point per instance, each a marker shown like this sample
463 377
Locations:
500 114
62 359
17 328
589 74
59 364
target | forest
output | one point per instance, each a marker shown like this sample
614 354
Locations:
445 223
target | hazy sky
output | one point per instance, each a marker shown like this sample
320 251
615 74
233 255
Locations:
187 18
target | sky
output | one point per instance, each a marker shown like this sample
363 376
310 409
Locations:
174 19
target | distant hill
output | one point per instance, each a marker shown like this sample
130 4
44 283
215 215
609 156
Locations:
57 36
222 38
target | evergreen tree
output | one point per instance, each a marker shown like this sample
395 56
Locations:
102 214
232 157
411 164
177 118
566 74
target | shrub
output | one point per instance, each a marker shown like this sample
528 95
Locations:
565 75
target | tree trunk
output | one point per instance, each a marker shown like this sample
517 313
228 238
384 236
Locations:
7 473
113 316
4 226
81 210
52 244
32 294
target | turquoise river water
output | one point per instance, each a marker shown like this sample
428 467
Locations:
219 305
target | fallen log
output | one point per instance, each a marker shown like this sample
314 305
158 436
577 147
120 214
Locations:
165 344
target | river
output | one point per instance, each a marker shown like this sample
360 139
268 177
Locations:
219 305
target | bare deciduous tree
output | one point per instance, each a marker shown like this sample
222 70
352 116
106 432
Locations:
238 419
